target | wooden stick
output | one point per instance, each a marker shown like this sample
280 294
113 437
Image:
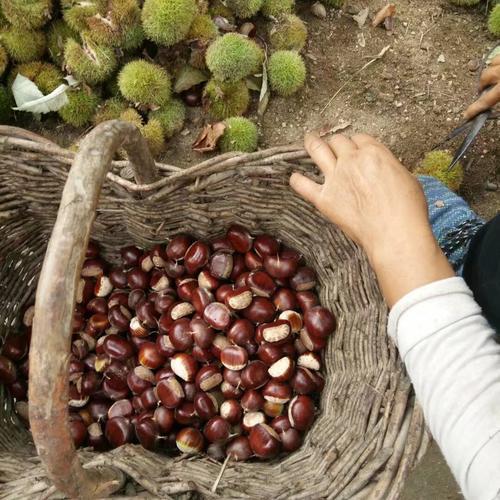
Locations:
55 302
219 477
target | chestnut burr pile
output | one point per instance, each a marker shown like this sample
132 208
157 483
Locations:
193 346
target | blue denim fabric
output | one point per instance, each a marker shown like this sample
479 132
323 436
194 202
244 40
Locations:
446 211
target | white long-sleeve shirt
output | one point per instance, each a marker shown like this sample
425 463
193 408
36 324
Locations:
454 363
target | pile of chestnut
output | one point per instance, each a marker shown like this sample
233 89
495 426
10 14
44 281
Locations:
200 346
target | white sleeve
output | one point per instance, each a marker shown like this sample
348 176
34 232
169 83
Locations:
454 363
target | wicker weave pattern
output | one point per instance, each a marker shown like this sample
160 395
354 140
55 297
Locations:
369 434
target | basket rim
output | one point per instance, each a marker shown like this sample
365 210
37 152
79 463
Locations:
19 138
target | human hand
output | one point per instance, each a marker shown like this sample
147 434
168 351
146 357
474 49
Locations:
371 196
489 77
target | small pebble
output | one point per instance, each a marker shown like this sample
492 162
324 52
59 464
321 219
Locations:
491 186
441 58
473 65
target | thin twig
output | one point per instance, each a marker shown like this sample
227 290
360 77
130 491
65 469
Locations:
219 477
344 85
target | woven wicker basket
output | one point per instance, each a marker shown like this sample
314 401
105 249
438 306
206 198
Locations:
369 433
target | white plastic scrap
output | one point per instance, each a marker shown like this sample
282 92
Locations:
30 98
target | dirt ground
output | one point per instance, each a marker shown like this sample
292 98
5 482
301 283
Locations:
410 99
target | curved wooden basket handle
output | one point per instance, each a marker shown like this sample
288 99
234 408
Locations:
55 302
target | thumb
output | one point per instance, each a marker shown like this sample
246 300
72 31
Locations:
305 187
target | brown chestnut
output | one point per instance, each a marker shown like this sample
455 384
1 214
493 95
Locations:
261 283
119 317
261 310
118 431
200 298
278 266
148 399
184 366
301 412
239 268
253 261
196 256
311 360
95 437
252 400
311 342
180 334
251 419
78 432
164 417
241 240
290 440
92 268
233 377
306 300
206 405
92 250
181 310
277 392
219 343
277 332
254 375
239 298
241 332
137 278
15 346
294 318
282 370
234 357
164 301
103 286
178 246
150 356
273 410
217 315
202 355
185 414
121 408
303 279
130 256
117 347
190 440
223 291
202 333
206 280
319 322
217 429
303 381
239 449
269 353
170 392
231 410
208 377
230 391
148 433
221 265
185 288
264 244
139 379
264 441
159 281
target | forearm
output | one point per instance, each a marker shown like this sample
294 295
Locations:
407 260
454 363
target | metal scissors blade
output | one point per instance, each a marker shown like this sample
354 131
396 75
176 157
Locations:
476 124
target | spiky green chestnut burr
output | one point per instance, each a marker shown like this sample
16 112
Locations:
45 76
77 12
275 8
171 117
233 57
110 109
81 107
167 22
244 8
27 14
23 45
287 72
144 83
203 28
4 60
494 21
288 33
240 135
223 100
88 62
131 115
153 133
57 35
436 163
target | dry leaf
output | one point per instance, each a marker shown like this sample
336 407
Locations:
265 93
188 77
361 17
207 140
388 11
328 129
